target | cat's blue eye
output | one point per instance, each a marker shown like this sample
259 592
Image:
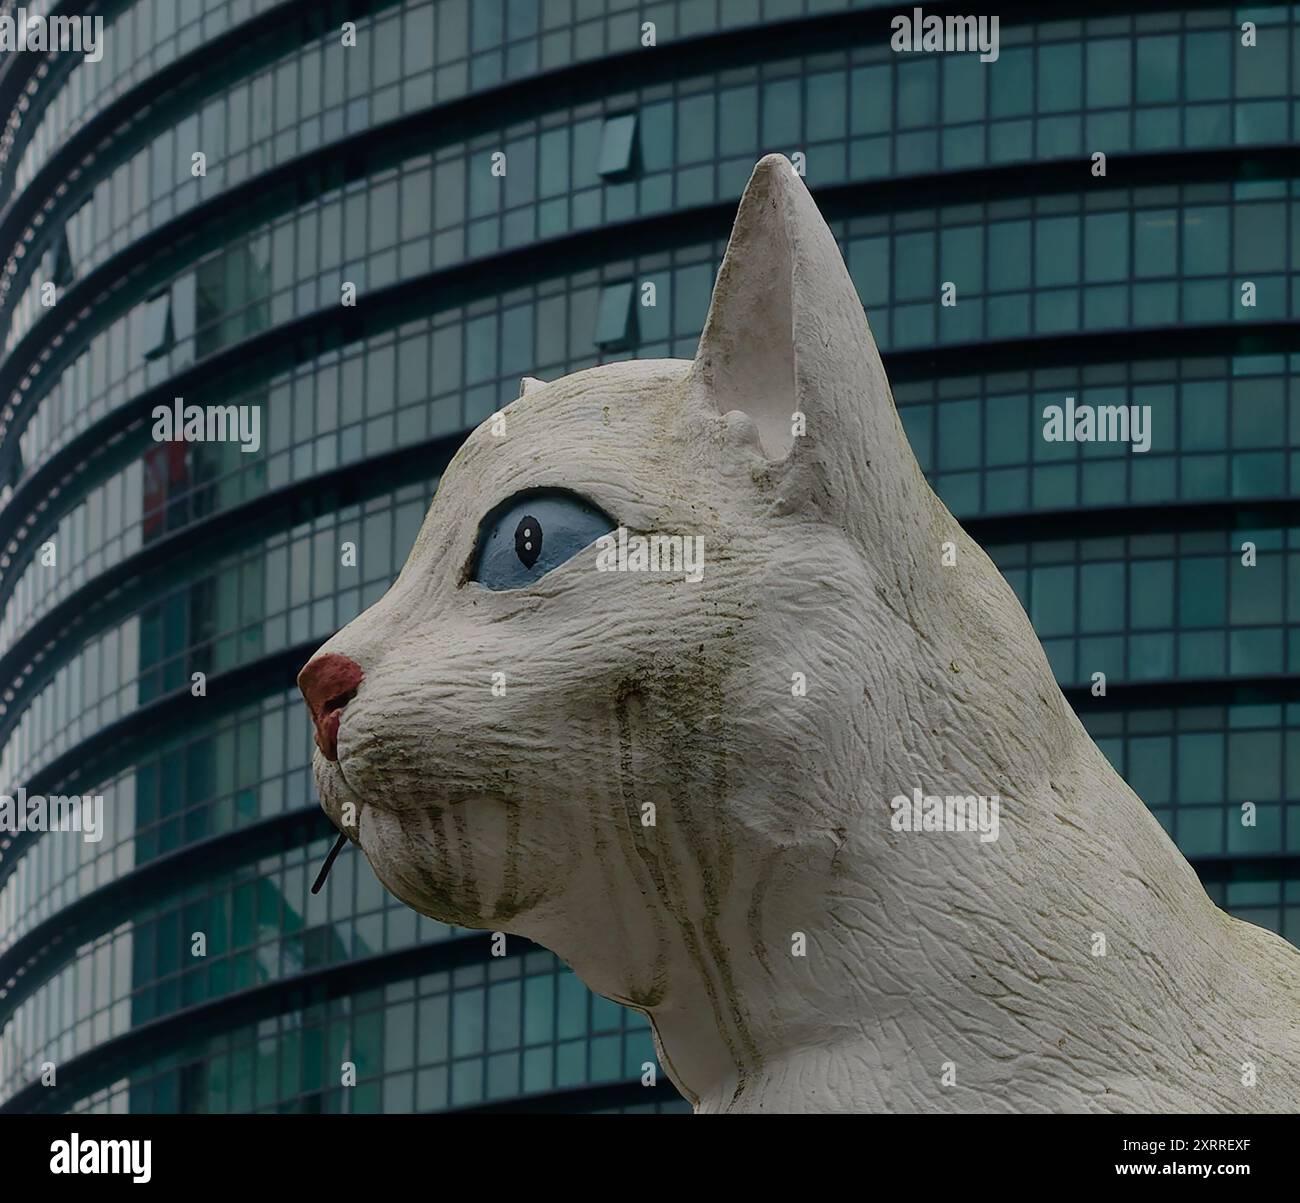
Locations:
523 538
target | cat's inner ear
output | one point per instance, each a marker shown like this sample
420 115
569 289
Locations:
746 353
528 383
785 325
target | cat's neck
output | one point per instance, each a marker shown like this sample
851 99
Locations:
948 975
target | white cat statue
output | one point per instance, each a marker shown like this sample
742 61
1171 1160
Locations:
692 679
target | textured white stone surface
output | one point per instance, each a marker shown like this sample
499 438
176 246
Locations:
524 813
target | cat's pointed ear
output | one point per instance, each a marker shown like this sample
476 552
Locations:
528 383
787 343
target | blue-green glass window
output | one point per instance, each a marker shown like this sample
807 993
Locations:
655 130
1056 250
481 348
962 258
1056 311
467 1010
616 318
738 120
1255 764
77 230
1110 73
1155 242
1157 68
1012 83
918 152
1201 592
1258 236
586 152
517 355
521 18
1200 766
959 435
484 186
487 24
1255 650
1260 121
1203 421
1008 316
553 162
399 1037
1258 412
869 267
1009 256
782 113
571 1017
914 266
383 207
1261 69
827 117
1151 594
60 267
918 93
1255 594
1150 768
652 320
1208 124
158 325
691 293
965 80
417 198
434 1028
1060 77
1101 597
1200 830
504 1000
1106 247
1007 489
695 129
539 1009
618 145
1205 240
1206 64
521 178
1052 611
873 100
1059 135
449 193
1007 430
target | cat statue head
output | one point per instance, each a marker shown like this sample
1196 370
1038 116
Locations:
682 765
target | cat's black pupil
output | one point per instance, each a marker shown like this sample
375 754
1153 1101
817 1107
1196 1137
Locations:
528 540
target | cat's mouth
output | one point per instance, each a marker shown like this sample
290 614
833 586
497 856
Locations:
340 801
338 786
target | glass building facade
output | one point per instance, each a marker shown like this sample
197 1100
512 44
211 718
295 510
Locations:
201 199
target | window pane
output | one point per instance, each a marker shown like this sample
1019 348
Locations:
1109 73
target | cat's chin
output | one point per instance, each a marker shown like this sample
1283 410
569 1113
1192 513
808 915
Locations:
458 871
409 804
336 795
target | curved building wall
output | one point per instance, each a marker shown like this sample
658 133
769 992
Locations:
371 165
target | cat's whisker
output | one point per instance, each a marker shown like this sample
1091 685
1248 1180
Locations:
329 863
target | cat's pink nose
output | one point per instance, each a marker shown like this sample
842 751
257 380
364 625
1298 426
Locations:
329 683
